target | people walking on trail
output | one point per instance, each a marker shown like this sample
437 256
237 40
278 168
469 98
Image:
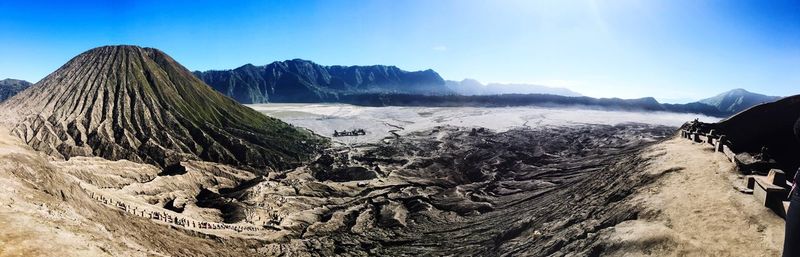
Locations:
167 218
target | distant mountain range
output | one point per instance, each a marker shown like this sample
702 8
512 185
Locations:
639 104
474 87
300 80
723 105
305 81
10 87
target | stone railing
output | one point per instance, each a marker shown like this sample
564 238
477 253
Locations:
771 190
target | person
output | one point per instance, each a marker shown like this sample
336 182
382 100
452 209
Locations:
764 155
791 242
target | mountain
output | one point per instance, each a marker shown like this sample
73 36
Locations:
474 87
10 87
737 100
723 105
127 102
305 81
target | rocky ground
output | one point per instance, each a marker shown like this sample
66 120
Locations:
465 192
469 191
46 212
550 191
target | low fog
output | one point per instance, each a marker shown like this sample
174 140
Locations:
380 122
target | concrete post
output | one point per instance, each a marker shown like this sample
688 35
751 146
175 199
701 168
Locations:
720 142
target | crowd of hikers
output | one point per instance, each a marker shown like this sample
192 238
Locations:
355 132
170 219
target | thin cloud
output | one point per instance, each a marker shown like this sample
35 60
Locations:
440 48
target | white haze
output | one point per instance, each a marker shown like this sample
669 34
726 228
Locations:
323 119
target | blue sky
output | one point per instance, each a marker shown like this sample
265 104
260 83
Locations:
674 50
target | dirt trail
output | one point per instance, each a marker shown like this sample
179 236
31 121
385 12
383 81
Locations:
694 210
22 231
44 213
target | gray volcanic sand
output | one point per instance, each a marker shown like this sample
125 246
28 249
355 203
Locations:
694 211
323 119
541 182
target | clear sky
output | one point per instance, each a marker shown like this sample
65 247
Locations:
674 50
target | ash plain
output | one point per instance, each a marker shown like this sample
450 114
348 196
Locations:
424 181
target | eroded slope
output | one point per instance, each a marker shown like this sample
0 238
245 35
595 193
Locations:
446 191
127 102
45 212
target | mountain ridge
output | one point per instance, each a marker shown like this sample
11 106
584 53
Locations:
299 80
303 81
547 100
